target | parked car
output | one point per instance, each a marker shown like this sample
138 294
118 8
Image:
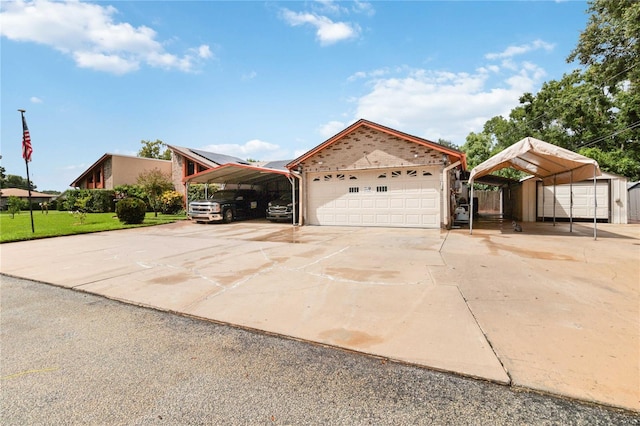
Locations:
281 209
227 206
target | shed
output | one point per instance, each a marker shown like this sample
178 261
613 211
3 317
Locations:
552 164
633 197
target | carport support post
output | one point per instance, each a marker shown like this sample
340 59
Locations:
554 200
571 201
595 204
471 210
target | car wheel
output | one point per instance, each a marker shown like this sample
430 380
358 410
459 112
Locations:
228 216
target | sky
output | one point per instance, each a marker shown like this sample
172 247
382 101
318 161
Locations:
264 80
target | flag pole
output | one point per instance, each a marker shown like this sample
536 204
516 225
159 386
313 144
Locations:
26 154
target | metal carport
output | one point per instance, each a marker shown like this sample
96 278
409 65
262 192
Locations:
551 163
241 174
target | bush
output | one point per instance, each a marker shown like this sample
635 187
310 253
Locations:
97 200
131 210
171 202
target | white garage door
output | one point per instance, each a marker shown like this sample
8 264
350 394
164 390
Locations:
403 197
582 200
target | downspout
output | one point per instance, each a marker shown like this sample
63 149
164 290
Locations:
445 173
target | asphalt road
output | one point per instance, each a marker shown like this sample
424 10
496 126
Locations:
74 358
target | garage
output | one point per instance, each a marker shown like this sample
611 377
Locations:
372 175
404 197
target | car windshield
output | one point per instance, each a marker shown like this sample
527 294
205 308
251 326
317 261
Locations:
285 197
223 195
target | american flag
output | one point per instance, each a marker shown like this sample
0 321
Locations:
26 141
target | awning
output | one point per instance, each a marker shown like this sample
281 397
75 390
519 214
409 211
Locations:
551 163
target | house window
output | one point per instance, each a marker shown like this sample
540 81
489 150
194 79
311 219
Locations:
340 176
396 173
190 168
352 177
412 173
354 189
382 176
316 179
381 188
327 177
426 174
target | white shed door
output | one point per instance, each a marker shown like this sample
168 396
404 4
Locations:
403 197
583 198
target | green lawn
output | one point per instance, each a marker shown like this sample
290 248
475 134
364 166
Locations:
56 224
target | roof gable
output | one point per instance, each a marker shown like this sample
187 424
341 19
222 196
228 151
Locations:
458 155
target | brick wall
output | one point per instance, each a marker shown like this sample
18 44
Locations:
367 148
177 162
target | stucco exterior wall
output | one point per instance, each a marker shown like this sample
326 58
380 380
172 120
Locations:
125 170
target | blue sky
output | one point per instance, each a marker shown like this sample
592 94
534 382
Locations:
263 80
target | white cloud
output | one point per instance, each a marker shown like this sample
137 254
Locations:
249 76
35 100
331 128
255 148
88 33
327 31
512 51
440 104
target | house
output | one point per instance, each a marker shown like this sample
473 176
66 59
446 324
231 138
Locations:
187 162
112 170
372 175
366 175
23 194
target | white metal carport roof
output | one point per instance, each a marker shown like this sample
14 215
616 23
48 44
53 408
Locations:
551 163
238 173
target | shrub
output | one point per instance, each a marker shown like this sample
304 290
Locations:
97 200
131 210
172 202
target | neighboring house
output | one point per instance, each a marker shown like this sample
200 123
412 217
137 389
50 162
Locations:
633 192
372 175
36 197
186 162
112 170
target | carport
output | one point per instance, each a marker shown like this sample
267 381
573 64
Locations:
272 177
552 164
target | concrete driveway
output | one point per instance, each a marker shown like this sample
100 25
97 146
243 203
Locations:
542 309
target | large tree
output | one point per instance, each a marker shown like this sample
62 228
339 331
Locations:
15 181
156 149
594 110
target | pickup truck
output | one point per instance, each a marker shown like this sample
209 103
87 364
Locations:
226 206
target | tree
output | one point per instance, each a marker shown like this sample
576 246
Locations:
478 148
610 45
14 205
447 143
15 181
152 150
154 182
610 49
